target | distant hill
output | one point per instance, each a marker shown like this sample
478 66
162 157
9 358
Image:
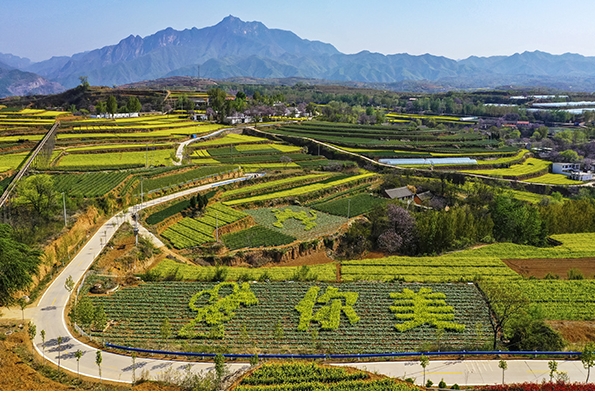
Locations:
234 48
14 82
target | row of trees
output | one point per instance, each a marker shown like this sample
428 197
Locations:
485 215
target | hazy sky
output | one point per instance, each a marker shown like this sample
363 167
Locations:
39 29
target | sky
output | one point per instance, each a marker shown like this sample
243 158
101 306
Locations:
457 29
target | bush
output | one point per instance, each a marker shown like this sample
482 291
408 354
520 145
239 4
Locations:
455 387
575 274
442 384
429 383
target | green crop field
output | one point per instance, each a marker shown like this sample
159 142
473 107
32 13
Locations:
256 236
504 160
180 177
365 323
11 161
350 206
268 186
531 165
300 375
297 227
169 211
303 190
190 232
566 300
230 139
554 179
89 184
182 272
446 268
115 160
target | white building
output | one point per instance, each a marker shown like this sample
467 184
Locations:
571 170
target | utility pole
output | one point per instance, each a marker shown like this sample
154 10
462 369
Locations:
64 205
217 226
147 156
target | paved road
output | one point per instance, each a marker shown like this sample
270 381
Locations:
180 150
49 314
475 372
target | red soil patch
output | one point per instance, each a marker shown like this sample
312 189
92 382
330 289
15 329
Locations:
575 332
539 268
317 258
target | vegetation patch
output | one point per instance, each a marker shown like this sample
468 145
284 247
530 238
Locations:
325 223
350 206
256 236
296 376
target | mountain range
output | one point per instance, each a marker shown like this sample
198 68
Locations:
234 48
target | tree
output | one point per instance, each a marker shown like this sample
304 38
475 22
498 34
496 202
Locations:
503 365
85 311
217 101
219 369
101 107
69 284
133 105
133 368
111 105
588 358
78 355
43 343
553 366
570 156
98 360
59 339
423 362
32 330
22 302
18 264
84 82
99 318
505 301
38 192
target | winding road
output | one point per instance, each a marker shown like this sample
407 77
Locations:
49 316
180 149
49 313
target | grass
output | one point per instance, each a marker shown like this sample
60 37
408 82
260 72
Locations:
555 179
531 165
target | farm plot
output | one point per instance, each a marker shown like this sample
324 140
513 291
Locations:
529 167
89 185
311 376
350 206
301 223
271 325
230 139
553 178
168 269
269 186
572 300
11 161
190 232
297 191
115 160
448 268
256 236
181 177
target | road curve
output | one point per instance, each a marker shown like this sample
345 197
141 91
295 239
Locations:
180 149
49 314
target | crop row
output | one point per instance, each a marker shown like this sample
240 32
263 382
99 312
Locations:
271 325
302 190
89 185
272 185
256 236
350 206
